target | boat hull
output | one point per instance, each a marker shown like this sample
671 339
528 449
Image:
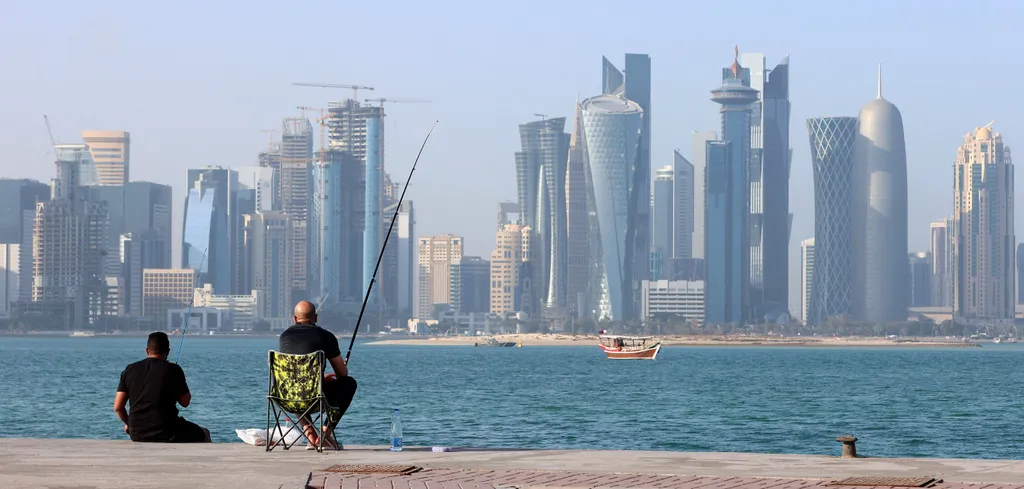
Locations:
649 353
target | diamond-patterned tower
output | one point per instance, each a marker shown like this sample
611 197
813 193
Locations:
832 141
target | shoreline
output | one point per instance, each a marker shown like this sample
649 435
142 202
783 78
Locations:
536 339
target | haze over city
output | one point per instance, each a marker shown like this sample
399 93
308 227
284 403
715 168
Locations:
195 83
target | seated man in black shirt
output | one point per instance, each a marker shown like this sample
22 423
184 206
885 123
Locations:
151 387
306 337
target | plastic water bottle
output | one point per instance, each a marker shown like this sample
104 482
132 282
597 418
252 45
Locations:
396 431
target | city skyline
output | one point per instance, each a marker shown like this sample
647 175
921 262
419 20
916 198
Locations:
682 71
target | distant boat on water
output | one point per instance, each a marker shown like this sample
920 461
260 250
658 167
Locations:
491 342
630 347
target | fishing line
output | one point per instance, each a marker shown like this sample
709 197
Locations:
383 245
192 302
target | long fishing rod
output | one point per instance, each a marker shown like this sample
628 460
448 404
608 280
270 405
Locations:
188 315
384 245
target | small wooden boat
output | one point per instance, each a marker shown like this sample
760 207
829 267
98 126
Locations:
630 347
491 342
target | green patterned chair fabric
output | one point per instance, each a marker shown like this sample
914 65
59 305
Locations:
296 387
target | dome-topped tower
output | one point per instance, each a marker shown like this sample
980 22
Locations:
879 271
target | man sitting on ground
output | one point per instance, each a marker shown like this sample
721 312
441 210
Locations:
151 387
306 337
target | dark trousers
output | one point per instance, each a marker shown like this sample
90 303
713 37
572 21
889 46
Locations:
339 393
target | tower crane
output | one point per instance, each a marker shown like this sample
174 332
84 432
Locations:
380 193
49 131
355 88
270 140
543 117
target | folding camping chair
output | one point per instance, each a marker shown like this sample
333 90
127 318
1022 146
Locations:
296 389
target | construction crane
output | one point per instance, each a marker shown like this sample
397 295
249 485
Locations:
380 193
543 117
49 131
270 140
355 88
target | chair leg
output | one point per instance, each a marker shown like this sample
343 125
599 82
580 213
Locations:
266 445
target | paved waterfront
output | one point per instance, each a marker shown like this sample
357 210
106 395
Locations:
81 464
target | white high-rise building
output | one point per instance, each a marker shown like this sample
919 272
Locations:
806 278
110 154
511 249
10 274
983 238
436 254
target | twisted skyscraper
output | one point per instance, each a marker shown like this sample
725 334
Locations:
832 140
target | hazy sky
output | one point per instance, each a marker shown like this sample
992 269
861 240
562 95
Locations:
195 82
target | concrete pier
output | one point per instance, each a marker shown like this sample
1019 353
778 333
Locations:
81 464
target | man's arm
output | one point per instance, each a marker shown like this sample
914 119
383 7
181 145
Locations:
185 398
120 403
121 400
338 364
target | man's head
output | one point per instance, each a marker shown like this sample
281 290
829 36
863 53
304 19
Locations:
305 313
158 345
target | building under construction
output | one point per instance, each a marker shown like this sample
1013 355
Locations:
296 189
69 238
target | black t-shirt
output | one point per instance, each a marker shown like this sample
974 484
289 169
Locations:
154 386
302 339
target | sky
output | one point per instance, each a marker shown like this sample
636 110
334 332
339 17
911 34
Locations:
196 82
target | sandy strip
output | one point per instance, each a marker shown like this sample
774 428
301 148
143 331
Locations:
591 340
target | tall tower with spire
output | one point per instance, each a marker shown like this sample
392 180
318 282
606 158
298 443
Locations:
879 267
727 209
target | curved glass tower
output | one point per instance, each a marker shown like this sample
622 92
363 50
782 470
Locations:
832 141
612 130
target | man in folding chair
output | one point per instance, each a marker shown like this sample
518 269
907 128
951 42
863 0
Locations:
306 337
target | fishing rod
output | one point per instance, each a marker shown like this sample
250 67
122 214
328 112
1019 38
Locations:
192 302
384 245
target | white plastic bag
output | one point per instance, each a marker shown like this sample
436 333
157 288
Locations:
258 437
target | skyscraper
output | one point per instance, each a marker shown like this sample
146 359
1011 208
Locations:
510 252
634 83
541 184
983 235
211 227
405 232
471 285
727 232
296 186
832 140
18 199
942 287
68 245
920 279
662 230
807 279
879 215
374 178
266 251
436 254
698 145
111 151
613 127
683 185
1020 273
577 219
769 179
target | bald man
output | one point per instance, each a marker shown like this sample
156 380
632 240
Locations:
306 337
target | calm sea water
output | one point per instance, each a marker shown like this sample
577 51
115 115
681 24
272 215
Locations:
907 402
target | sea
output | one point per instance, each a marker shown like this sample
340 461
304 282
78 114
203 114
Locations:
899 402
